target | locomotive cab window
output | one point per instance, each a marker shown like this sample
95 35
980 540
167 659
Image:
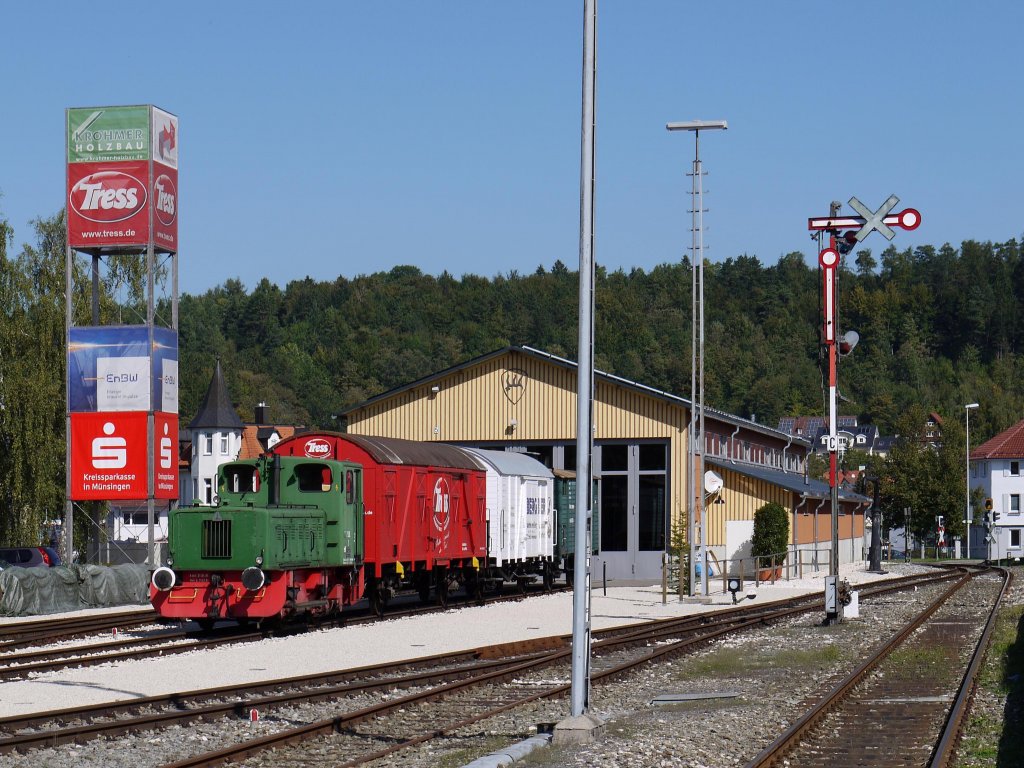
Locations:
241 479
314 477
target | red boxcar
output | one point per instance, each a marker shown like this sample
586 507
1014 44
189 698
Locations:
424 516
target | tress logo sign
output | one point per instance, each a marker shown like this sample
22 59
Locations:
166 199
108 196
317 448
108 206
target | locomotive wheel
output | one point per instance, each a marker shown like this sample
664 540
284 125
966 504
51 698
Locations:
549 577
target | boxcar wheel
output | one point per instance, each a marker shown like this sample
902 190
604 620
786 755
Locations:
423 590
475 588
549 577
442 592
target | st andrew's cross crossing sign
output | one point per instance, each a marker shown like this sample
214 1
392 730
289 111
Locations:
882 219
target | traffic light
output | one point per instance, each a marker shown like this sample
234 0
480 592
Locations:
988 504
995 517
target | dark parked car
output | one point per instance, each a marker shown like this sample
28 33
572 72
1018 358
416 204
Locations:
27 557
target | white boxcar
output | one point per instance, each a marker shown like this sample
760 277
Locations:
520 508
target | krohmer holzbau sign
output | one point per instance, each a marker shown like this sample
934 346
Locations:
108 133
122 178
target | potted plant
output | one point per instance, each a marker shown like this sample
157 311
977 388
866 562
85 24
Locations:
770 541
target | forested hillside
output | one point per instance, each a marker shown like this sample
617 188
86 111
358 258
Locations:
939 327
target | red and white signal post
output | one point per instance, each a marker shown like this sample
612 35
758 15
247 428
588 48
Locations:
829 259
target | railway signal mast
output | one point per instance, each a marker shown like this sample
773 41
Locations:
836 344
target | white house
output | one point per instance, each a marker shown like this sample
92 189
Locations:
996 469
216 438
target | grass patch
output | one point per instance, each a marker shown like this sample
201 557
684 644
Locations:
995 731
730 662
1005 661
916 662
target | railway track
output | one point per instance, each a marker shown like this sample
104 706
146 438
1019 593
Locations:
387 700
15 664
382 709
906 704
24 634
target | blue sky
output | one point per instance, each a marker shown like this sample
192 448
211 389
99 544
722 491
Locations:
345 138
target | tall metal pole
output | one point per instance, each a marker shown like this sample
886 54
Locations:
696 527
967 515
580 693
696 356
698 453
69 507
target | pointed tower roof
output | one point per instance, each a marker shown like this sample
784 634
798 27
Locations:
216 410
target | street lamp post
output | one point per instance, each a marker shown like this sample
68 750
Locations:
967 516
696 532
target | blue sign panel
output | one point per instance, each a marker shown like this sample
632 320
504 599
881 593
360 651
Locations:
113 368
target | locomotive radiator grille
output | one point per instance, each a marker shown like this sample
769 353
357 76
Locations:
217 539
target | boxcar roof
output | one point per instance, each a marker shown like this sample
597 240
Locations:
511 463
393 450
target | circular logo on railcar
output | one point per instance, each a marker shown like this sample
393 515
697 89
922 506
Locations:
317 448
442 504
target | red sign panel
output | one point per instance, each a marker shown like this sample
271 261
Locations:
165 207
108 455
108 204
165 455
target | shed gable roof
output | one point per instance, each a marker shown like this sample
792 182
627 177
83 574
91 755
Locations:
600 375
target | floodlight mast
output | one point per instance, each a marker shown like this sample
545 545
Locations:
696 528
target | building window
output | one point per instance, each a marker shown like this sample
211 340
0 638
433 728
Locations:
208 491
1015 538
223 445
1015 468
207 444
974 470
1015 504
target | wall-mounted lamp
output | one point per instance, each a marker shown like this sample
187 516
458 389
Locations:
513 424
435 389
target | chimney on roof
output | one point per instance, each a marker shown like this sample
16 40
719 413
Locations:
261 413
